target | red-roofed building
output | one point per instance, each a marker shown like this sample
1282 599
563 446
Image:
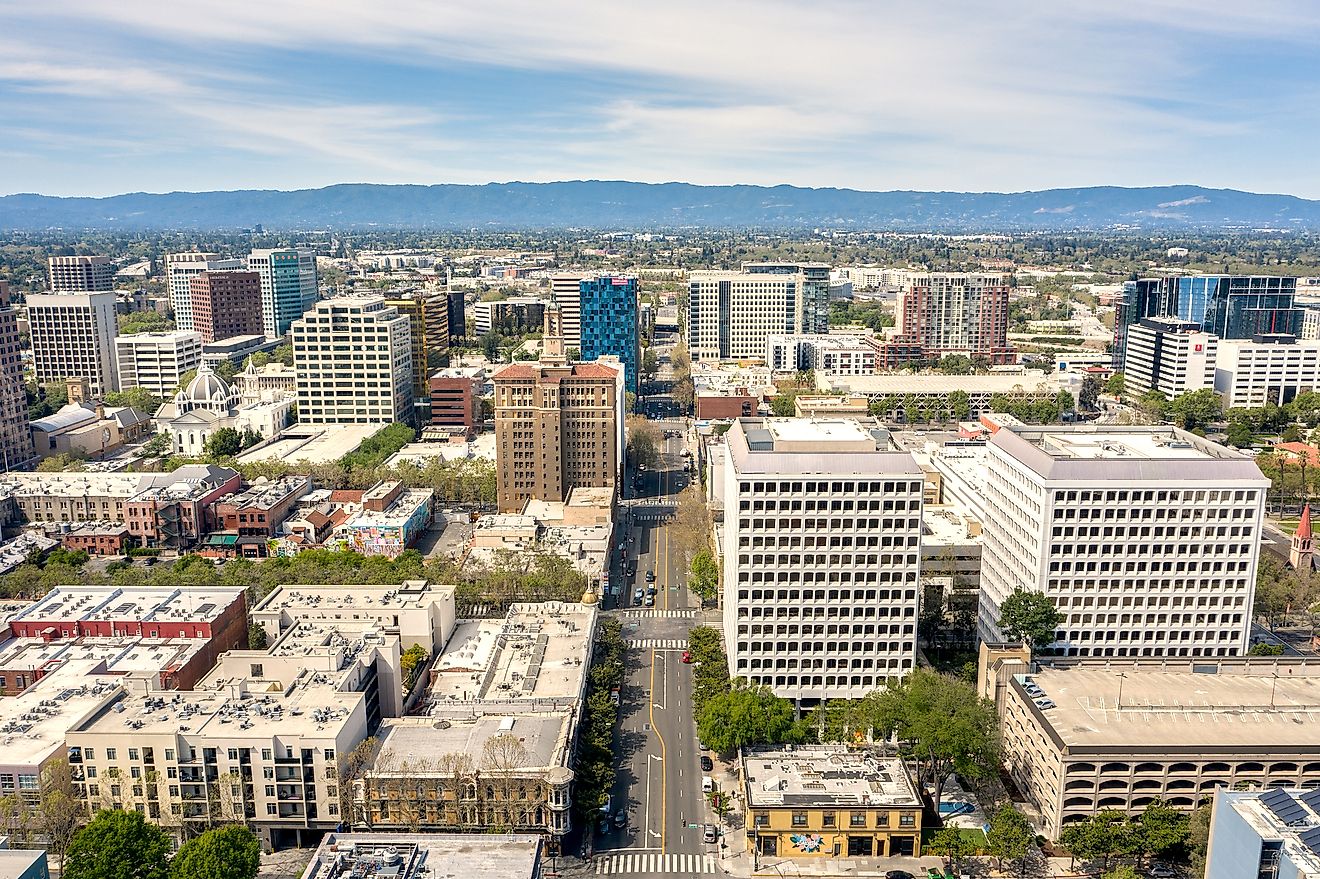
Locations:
1299 452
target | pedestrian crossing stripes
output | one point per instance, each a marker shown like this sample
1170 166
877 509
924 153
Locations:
659 643
654 862
685 614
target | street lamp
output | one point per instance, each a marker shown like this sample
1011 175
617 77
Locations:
1122 676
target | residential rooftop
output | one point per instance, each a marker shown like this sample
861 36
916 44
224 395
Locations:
426 856
137 604
416 745
34 723
120 655
265 494
826 775
1180 708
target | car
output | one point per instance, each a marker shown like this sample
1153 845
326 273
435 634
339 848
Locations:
650 601
707 764
686 658
707 784
650 590
702 745
614 696
650 576
709 833
1162 871
899 874
632 569
638 596
621 818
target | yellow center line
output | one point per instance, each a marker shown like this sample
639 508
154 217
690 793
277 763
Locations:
664 763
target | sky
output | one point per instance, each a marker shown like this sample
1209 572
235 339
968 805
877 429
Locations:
99 97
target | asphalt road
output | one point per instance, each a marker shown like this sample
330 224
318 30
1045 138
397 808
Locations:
658 770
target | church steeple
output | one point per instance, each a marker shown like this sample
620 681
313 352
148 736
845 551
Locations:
1300 554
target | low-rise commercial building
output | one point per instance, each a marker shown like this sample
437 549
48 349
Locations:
245 522
175 662
955 397
1082 736
426 856
97 538
1274 832
1169 356
88 496
830 801
212 613
177 514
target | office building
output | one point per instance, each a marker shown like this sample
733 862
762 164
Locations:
454 398
354 362
225 304
822 529
943 313
730 314
15 440
1170 356
830 801
515 316
558 425
288 286
1145 538
1080 736
1273 832
904 398
1226 306
157 361
1266 369
1310 331
73 336
428 315
566 290
608 324
830 354
81 274
457 317
181 268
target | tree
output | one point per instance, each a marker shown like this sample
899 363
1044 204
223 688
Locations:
1158 830
1010 837
410 663
1240 435
256 636
1030 618
782 405
1103 835
138 398
230 852
1064 402
283 354
1306 407
1198 838
60 810
705 575
1122 871
643 442
1196 408
943 725
118 845
159 444
1115 385
1088 398
955 364
224 443
950 842
650 362
746 715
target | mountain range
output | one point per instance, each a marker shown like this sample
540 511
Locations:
602 204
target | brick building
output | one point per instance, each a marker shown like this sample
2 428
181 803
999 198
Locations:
225 304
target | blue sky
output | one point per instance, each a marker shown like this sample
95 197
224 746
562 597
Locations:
105 96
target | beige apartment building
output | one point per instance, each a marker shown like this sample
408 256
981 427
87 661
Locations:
81 274
558 425
73 336
353 356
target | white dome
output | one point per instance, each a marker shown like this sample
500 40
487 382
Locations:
207 391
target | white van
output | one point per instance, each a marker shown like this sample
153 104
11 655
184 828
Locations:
707 784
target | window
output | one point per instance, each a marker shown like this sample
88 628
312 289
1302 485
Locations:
132 753
169 753
827 819
111 754
265 753
89 753
907 819
856 819
329 754
799 819
761 819
881 819
233 754
270 808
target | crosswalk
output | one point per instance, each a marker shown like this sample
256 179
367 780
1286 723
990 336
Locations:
659 643
652 612
653 862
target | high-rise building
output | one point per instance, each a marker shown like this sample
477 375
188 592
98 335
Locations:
156 361
15 439
1170 356
822 555
288 286
608 323
457 319
566 290
429 314
942 313
225 304
73 336
180 268
353 356
81 274
454 398
1146 539
1227 306
558 425
730 314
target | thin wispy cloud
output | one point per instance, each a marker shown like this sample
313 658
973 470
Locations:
873 95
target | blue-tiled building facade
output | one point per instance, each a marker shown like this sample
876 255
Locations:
609 323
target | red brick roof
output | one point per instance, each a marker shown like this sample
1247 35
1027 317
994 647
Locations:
517 370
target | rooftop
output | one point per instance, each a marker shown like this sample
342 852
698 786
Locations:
137 604
929 383
33 724
1199 708
120 655
17 863
826 775
422 742
17 551
815 445
411 594
483 447
265 493
1088 451
312 444
1289 816
404 507
429 855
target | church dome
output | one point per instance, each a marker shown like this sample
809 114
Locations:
207 391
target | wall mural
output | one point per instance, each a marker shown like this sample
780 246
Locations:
807 842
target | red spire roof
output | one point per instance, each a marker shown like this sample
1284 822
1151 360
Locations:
1304 526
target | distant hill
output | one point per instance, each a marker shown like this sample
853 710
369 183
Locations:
598 204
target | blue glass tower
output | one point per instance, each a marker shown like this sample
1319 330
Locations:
609 323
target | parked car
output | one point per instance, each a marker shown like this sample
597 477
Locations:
638 596
707 764
707 784
650 576
650 601
650 590
709 833
621 818
899 874
1162 871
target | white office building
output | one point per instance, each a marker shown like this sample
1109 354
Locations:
73 336
156 361
1145 538
1267 369
288 286
1169 356
353 356
830 354
567 293
81 274
730 314
181 268
822 531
